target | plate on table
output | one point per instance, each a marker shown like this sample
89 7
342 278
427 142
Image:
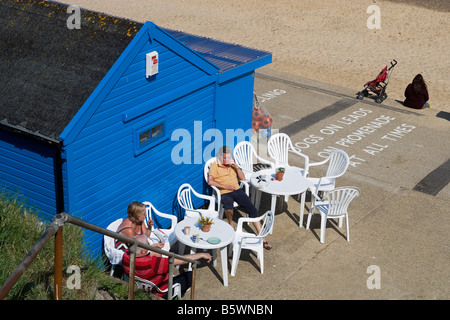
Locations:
213 240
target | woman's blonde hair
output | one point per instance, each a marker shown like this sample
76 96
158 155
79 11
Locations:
135 210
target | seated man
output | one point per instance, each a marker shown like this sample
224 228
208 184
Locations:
225 175
155 268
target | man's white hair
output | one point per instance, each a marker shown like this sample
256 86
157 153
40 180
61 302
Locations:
141 238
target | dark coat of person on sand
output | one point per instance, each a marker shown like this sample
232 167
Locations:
416 94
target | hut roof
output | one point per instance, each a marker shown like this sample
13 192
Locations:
48 70
224 55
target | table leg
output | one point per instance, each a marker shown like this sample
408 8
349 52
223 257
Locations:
214 257
224 258
302 208
180 248
257 198
273 203
272 208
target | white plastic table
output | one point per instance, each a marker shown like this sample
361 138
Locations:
293 183
219 229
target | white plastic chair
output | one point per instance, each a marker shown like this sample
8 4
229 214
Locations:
149 286
334 205
250 241
279 146
243 155
216 191
150 208
185 193
338 162
114 255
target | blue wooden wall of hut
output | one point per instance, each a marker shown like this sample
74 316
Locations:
27 172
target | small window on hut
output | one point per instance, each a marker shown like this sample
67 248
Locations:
150 135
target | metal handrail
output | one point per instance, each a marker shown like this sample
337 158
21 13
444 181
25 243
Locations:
56 227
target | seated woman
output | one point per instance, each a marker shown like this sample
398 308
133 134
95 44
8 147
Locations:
134 225
416 94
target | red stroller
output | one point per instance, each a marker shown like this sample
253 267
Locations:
378 86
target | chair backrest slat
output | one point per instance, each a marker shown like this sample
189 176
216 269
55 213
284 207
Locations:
267 224
243 155
339 199
208 165
278 147
338 163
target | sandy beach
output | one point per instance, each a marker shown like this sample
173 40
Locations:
327 41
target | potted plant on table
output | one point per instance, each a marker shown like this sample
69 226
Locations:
206 223
280 173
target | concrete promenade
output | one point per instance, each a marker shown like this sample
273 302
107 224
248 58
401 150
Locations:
398 227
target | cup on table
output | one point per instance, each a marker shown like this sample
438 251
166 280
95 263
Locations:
187 230
195 237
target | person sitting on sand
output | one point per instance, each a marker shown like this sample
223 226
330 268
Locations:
416 93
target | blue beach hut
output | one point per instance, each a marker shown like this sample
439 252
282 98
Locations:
88 115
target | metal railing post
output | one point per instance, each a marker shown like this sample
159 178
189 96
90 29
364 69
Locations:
170 288
194 272
131 273
57 285
59 220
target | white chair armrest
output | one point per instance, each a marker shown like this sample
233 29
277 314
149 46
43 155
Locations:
241 221
211 199
318 163
247 174
171 217
217 194
314 193
174 221
246 186
307 165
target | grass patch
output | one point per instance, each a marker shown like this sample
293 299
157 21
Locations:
20 228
